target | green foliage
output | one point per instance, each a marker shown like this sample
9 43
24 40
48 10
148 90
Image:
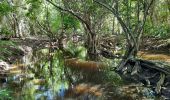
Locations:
112 76
5 8
5 32
34 8
77 51
35 5
70 22
42 66
3 49
159 31
5 94
157 25
55 21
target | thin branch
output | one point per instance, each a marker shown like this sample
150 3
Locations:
44 28
72 13
125 28
138 29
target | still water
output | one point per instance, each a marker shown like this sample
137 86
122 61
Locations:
45 75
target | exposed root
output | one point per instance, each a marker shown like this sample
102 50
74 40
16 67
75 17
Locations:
150 73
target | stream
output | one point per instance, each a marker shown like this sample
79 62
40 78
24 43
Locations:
30 78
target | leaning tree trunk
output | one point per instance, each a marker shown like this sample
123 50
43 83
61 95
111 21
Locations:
131 53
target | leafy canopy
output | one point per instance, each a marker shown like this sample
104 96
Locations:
5 8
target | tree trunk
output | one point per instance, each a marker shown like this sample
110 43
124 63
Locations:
92 47
16 26
131 53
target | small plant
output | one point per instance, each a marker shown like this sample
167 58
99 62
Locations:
5 94
5 8
159 31
9 51
5 33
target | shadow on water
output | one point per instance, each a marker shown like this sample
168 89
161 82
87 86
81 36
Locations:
45 75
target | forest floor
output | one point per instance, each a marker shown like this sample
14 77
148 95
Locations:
155 49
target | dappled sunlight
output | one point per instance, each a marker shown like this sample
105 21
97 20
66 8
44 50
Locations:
84 50
84 89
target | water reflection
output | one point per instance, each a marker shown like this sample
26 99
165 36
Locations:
30 79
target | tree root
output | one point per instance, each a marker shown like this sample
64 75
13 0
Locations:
148 72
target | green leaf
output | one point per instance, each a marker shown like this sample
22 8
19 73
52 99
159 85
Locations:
70 22
5 8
